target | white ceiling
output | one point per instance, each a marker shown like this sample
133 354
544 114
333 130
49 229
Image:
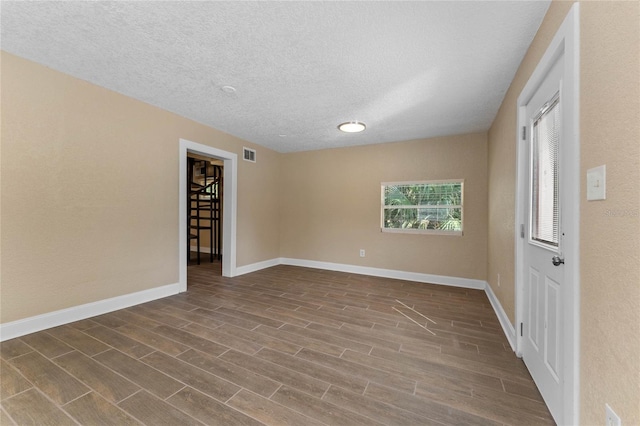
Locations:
408 70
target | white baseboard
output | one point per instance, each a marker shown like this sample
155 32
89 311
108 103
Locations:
365 270
76 313
53 319
253 267
507 327
388 273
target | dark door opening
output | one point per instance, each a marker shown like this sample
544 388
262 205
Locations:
204 210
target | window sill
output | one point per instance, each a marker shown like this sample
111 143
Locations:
422 232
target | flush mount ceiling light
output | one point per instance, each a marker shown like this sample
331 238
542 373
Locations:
352 127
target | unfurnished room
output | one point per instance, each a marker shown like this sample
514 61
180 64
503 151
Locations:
320 213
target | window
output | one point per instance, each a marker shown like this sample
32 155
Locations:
545 210
422 207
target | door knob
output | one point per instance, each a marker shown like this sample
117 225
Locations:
557 260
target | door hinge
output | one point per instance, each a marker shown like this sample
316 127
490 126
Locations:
522 230
521 328
524 133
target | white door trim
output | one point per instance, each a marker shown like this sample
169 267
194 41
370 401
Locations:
565 41
229 209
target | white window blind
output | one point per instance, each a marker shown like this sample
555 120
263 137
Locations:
545 212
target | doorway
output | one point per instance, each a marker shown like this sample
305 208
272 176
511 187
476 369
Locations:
204 210
547 223
228 209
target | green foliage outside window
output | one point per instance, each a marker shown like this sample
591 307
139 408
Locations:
423 206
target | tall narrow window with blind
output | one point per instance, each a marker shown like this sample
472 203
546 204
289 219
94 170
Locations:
422 207
545 211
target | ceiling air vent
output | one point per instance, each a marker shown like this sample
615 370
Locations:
249 154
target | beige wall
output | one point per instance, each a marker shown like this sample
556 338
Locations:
89 196
67 241
331 205
610 230
90 192
502 168
258 206
609 242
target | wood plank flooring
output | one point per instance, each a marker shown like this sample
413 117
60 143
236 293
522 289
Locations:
281 346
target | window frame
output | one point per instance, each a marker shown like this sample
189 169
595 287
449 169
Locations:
534 166
383 207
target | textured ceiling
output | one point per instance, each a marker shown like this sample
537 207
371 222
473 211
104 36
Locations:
408 70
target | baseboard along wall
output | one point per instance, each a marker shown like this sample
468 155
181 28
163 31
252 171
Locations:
53 319
37 323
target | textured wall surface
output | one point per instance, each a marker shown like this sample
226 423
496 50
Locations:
90 192
502 167
331 205
259 207
609 230
89 198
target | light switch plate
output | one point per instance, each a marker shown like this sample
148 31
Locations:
596 183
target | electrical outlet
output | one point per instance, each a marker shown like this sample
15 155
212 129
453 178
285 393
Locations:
361 252
612 418
498 280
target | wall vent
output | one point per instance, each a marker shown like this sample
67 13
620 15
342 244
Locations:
249 154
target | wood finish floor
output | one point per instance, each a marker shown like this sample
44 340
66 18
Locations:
282 346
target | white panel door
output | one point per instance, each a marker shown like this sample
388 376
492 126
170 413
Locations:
543 270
